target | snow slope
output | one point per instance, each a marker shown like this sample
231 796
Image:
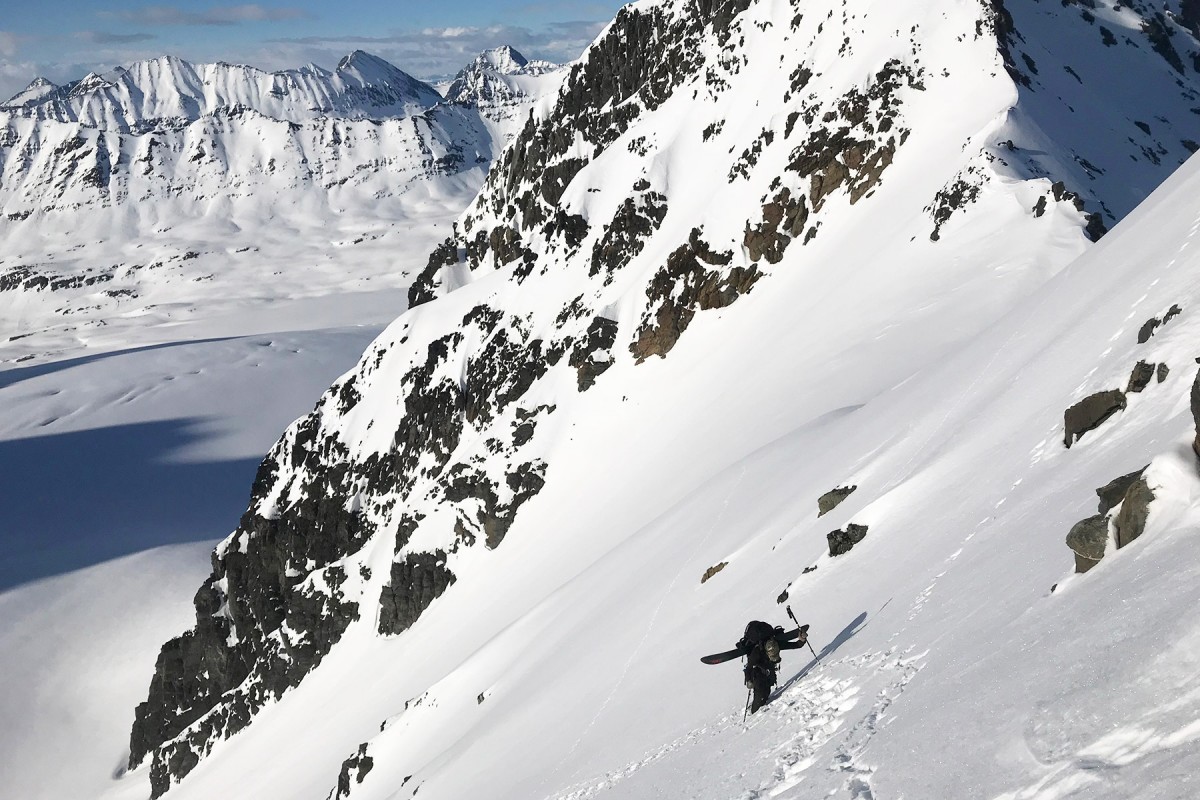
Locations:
75 646
749 253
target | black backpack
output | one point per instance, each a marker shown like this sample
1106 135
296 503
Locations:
758 632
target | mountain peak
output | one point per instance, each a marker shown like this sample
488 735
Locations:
37 89
496 77
363 62
503 59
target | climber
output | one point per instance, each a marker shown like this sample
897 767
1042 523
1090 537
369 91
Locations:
761 645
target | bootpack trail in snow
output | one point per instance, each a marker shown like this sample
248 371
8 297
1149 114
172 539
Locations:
783 739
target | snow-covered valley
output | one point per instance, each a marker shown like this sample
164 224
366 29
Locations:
751 252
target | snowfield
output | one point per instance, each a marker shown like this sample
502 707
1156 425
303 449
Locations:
519 557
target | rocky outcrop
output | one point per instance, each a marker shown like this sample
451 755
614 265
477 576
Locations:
1131 496
1113 492
832 499
713 570
858 139
1135 508
416 582
1195 405
354 769
841 541
623 238
1140 378
685 285
593 352
1151 326
783 220
1088 540
1090 413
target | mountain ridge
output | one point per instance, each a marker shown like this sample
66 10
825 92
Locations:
654 203
129 99
144 195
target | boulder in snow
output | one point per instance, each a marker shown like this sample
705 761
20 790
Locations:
842 541
1090 413
1131 519
832 499
1088 539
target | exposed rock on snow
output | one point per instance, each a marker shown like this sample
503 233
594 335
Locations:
1090 413
713 570
1130 496
841 541
416 582
1194 400
1113 492
354 768
1140 378
832 499
1130 521
681 288
1150 326
1088 539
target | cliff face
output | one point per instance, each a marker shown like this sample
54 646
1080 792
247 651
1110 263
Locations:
704 164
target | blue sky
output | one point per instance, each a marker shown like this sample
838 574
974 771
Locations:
65 39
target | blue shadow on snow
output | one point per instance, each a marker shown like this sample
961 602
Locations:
75 499
846 635
14 375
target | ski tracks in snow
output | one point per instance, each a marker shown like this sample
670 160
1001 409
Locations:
820 710
781 744
808 714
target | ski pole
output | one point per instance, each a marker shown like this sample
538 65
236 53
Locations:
806 641
746 710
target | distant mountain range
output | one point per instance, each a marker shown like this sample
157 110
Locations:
93 169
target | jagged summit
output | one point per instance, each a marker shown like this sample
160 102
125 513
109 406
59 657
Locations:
503 59
168 87
500 81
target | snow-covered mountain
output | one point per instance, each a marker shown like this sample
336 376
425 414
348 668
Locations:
115 189
34 93
503 84
752 252
147 93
